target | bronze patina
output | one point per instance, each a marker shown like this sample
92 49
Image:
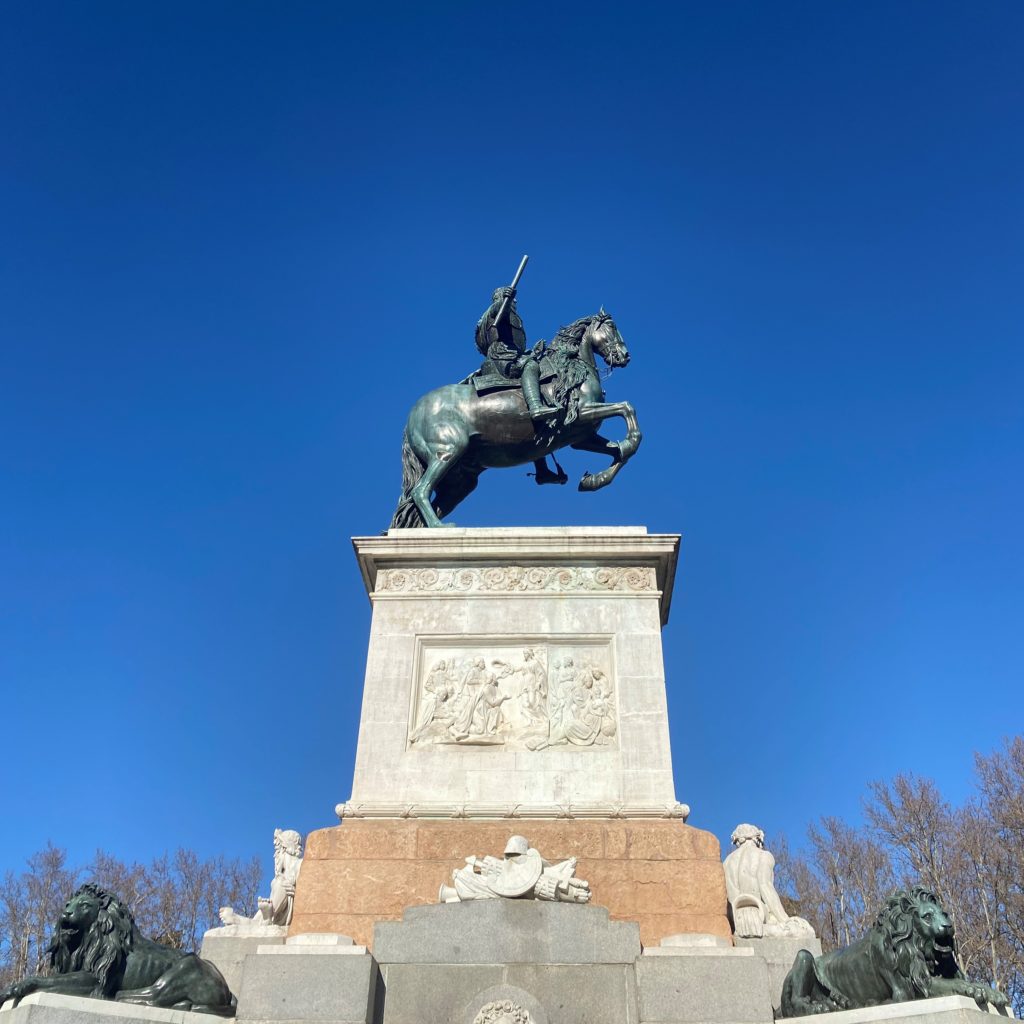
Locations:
519 407
97 951
909 953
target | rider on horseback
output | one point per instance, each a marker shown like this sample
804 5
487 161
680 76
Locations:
503 342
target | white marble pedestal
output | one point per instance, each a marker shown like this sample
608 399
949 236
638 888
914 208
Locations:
515 669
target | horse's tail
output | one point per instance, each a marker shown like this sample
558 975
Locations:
407 514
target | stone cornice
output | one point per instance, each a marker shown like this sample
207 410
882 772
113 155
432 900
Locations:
584 559
505 811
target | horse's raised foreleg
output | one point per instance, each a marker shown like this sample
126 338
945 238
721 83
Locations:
600 445
620 451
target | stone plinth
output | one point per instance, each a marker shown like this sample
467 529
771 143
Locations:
665 875
704 986
515 669
227 949
51 1008
942 1010
506 932
780 953
307 985
564 963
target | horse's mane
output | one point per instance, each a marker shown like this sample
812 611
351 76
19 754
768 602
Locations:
571 371
572 335
104 949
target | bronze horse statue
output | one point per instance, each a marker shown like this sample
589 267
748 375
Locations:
457 431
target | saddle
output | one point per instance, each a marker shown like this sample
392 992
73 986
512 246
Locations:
487 379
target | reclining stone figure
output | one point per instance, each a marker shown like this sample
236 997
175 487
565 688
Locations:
754 903
522 874
274 911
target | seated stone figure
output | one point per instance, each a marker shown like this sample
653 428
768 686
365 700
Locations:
909 953
523 873
98 951
274 911
756 909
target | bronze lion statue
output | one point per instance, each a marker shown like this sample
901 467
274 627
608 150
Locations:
97 950
910 953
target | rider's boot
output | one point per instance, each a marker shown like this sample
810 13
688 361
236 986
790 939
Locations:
531 392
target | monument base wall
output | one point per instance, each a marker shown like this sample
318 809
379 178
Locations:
665 875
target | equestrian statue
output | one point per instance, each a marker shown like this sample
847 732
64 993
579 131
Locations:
521 406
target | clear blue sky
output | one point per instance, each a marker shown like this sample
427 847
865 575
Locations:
240 239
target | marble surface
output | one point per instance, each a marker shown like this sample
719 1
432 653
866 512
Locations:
457 714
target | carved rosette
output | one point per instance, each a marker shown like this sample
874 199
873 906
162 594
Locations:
502 1011
511 579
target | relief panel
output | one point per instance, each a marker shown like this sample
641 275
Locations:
516 696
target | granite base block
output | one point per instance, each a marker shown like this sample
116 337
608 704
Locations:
325 989
678 951
506 932
780 954
50 1008
664 875
562 993
942 1010
227 952
726 989
695 940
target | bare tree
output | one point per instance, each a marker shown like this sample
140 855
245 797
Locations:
839 883
972 857
173 899
30 904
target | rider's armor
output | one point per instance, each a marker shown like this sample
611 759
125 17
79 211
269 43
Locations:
504 345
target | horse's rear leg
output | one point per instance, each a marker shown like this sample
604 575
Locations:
442 458
543 475
457 485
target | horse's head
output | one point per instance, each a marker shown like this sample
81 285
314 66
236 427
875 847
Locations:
606 341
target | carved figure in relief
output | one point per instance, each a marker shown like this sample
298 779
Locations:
471 716
491 699
582 712
277 908
438 703
533 694
565 675
521 874
755 905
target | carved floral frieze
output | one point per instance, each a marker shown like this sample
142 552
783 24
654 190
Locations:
518 579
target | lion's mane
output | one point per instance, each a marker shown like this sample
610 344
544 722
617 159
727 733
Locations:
901 943
103 950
